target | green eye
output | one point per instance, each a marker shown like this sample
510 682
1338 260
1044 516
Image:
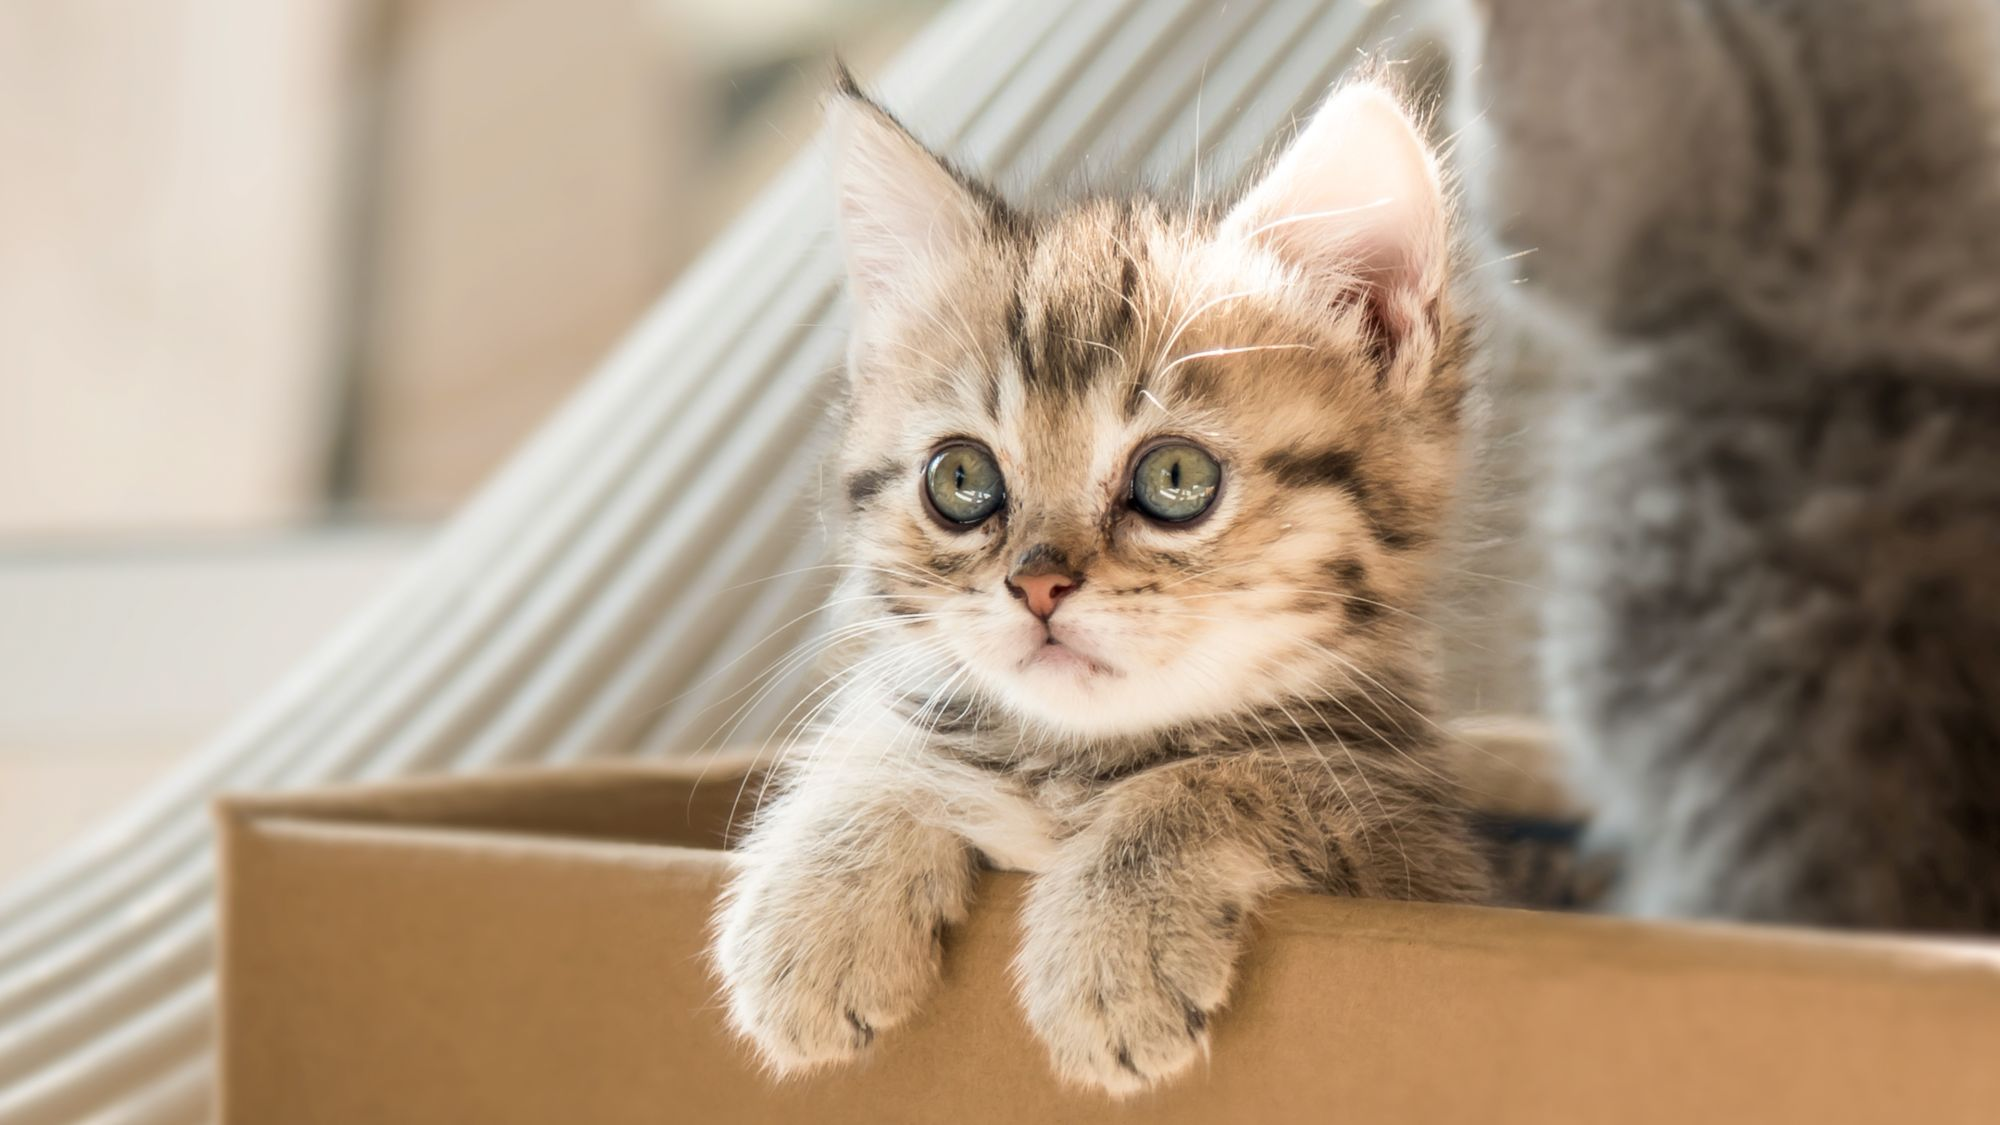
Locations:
1175 482
962 482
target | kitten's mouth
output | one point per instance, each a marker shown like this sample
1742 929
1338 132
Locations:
1059 656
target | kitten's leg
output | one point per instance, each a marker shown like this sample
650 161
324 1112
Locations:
832 930
1132 935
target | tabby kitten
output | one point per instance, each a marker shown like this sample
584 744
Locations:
1774 620
1141 499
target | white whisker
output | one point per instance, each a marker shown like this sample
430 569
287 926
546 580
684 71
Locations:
1309 216
1232 351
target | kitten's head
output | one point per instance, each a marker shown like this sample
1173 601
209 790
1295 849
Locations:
1125 465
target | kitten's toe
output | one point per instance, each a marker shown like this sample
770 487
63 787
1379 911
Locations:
1120 1007
1121 1043
810 990
795 1033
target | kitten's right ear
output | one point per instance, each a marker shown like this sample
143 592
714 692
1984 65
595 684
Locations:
904 214
1356 205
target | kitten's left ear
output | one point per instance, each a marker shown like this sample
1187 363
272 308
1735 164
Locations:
905 215
1357 206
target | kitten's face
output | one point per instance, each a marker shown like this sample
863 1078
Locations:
1120 468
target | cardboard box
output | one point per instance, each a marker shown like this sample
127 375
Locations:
529 948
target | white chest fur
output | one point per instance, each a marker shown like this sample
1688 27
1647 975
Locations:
1003 820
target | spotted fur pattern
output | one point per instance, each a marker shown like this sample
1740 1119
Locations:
1772 230
1240 706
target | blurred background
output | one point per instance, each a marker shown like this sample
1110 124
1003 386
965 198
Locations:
281 282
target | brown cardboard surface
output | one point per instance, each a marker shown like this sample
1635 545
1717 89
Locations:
528 948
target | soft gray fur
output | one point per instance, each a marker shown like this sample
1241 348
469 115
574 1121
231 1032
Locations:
1774 620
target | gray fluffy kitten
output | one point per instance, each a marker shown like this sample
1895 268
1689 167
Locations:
1774 621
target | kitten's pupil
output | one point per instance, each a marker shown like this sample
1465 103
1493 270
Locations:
1177 473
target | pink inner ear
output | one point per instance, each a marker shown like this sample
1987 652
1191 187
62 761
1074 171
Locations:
901 212
1355 203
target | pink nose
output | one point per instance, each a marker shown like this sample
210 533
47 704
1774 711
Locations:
1042 591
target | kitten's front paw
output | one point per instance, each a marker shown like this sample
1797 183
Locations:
1122 997
813 968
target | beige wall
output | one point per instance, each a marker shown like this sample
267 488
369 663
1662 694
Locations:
218 212
167 244
262 257
532 169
